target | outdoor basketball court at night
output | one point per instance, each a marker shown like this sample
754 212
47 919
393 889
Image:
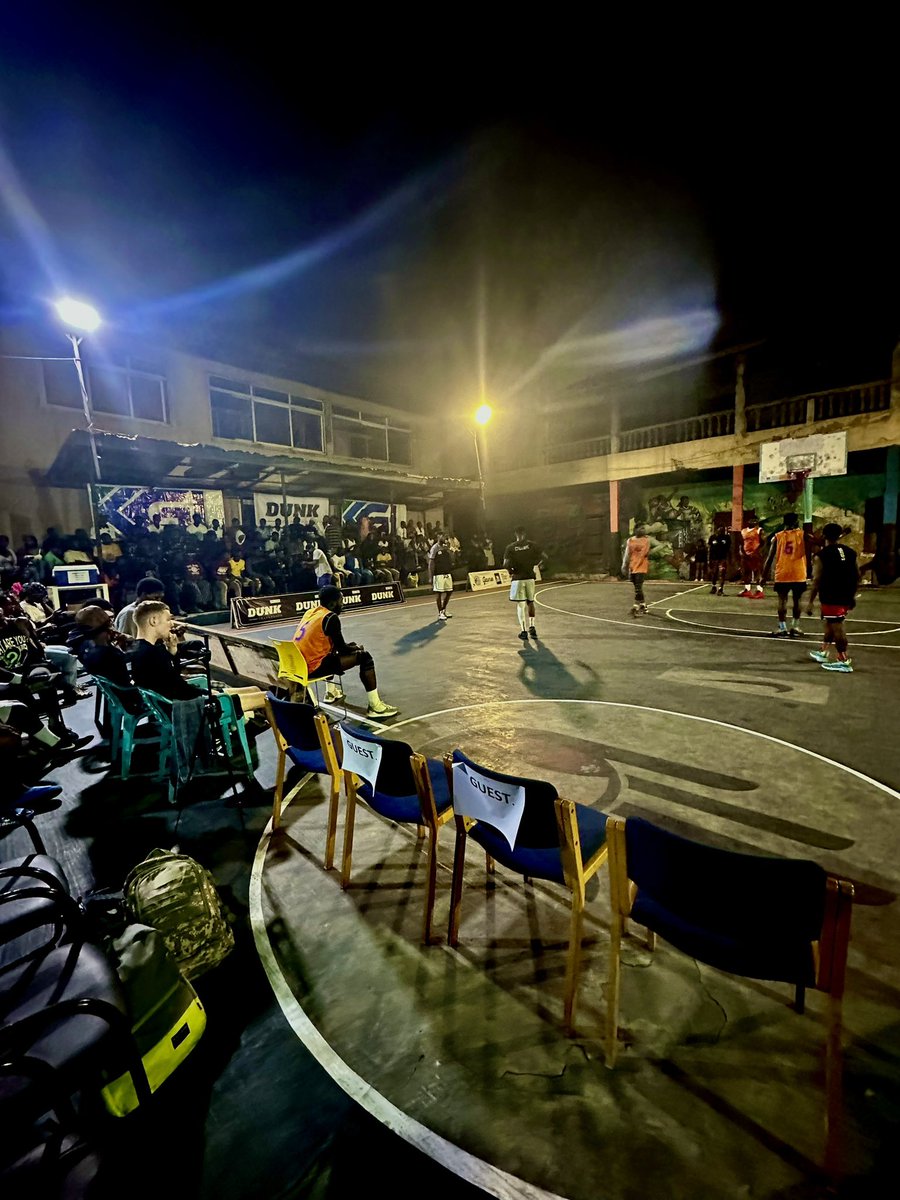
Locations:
692 716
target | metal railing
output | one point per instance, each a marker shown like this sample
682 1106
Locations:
836 404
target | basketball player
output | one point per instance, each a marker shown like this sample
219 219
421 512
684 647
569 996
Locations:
835 579
752 539
520 558
790 553
635 564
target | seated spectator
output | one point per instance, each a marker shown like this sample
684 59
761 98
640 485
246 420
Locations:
22 650
99 646
454 547
223 584
9 564
259 568
216 528
154 525
197 527
353 563
195 594
267 536
155 660
148 588
237 565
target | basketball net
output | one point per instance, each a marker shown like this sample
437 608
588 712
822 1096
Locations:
796 483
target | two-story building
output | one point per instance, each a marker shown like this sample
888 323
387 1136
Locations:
233 443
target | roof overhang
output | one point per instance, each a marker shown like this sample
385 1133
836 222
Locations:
133 460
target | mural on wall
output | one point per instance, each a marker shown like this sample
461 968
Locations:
127 509
676 519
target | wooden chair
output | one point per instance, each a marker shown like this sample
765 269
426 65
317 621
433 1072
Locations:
302 734
777 919
412 790
558 840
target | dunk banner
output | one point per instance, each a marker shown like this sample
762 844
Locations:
261 610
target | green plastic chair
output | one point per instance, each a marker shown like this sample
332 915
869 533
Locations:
161 707
126 708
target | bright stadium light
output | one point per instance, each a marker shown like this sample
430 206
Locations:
77 314
483 414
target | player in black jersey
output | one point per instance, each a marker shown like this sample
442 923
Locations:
520 558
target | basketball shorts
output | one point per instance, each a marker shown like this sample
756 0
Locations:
796 589
521 589
834 612
442 583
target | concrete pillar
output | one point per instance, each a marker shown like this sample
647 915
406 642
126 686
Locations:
737 497
615 542
740 399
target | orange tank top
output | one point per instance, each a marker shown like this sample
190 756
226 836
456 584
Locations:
311 639
638 555
790 556
752 539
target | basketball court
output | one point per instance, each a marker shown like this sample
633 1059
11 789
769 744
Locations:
691 716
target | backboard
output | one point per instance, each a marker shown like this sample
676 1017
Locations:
817 455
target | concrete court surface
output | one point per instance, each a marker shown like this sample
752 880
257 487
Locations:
697 719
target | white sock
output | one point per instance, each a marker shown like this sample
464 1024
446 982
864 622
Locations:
373 698
44 735
531 622
520 613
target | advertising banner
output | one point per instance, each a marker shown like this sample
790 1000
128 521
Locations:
366 513
482 581
307 508
127 510
261 610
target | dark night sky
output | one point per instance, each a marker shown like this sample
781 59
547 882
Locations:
346 209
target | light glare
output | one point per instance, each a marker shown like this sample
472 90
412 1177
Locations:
77 314
484 414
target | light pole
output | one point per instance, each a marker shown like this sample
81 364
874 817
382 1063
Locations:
80 318
483 414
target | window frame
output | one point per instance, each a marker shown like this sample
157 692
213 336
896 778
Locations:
129 372
308 405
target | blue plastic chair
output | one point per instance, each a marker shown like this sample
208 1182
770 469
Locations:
558 840
126 708
410 789
302 735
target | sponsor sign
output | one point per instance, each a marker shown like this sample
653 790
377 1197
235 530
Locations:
496 803
129 509
367 513
307 508
259 610
482 581
361 757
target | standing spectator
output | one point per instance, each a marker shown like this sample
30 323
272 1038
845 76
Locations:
197 527
155 525
333 536
752 542
216 528
488 547
148 588
698 557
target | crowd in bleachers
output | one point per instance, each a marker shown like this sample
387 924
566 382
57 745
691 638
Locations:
202 566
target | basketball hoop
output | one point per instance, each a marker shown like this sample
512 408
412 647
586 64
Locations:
796 482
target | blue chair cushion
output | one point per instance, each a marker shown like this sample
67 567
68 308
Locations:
296 724
744 913
309 760
407 808
542 862
785 960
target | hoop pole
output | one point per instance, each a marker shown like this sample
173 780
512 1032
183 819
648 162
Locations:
807 500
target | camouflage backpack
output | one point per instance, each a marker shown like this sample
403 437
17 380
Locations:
177 896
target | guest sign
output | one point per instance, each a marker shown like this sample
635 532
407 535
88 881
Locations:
361 757
490 800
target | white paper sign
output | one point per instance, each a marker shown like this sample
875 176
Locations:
498 804
362 758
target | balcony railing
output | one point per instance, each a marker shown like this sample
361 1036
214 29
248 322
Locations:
840 403
688 429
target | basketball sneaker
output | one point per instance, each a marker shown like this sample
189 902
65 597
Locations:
382 710
533 632
819 655
745 592
845 667
779 633
523 636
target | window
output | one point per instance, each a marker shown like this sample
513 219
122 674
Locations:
249 413
356 436
133 389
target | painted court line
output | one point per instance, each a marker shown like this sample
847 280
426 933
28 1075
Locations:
631 624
